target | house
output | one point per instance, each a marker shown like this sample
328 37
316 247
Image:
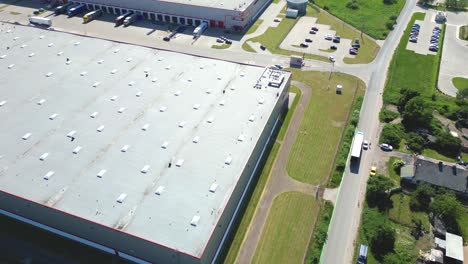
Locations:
448 250
437 173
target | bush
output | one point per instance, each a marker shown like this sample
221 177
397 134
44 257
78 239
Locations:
406 95
448 208
397 165
377 194
393 17
389 25
352 5
387 116
447 144
326 8
421 198
389 2
417 113
392 134
320 233
415 142
379 232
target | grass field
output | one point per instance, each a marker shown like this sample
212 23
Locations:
409 69
369 47
402 214
460 83
313 152
287 230
463 33
287 119
254 27
370 17
251 207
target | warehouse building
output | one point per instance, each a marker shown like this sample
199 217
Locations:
236 15
138 152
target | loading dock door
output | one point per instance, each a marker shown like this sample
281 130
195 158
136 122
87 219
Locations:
212 23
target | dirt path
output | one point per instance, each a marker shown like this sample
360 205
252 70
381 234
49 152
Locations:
278 182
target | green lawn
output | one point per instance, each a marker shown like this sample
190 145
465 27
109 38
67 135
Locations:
254 27
402 214
463 223
391 170
222 46
460 82
436 155
287 119
251 207
369 47
287 230
370 17
463 33
409 69
312 155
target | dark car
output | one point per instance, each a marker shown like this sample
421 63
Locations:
308 40
336 39
312 32
228 41
315 29
166 38
262 47
333 47
304 45
353 51
414 40
435 49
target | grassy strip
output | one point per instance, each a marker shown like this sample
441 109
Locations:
463 33
431 153
222 46
463 223
323 124
247 47
370 17
340 163
320 233
392 173
254 26
251 207
369 48
460 83
287 229
287 118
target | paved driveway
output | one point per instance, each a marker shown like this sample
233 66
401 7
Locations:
454 62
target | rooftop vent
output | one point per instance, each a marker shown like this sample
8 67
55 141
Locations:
121 198
116 50
101 173
49 74
68 62
100 128
228 160
209 91
154 80
59 53
195 220
48 175
210 119
100 62
145 127
251 118
2 103
139 94
26 136
114 71
41 102
31 55
83 73
94 114
71 133
196 106
189 79
168 67
159 190
113 98
129 59
220 77
233 87
242 74
213 187
160 58
196 139
202 66
53 116
50 45
77 150
222 102
41 36
145 169
163 108
44 156
241 137
15 38
261 101
96 84
131 83
182 124
77 43
125 148
121 110
11 66
3 56
165 144
179 163
146 70
178 92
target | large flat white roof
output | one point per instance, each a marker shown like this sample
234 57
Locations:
95 125
223 4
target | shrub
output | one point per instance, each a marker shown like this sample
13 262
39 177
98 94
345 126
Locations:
447 144
352 5
379 232
448 208
415 142
393 17
421 198
387 116
417 113
389 25
320 233
392 134
326 8
389 2
377 194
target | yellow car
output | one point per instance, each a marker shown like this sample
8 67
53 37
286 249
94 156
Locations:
373 171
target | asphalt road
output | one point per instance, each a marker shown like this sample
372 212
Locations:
339 247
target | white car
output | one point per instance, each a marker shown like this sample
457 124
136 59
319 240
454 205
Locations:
328 37
331 58
365 145
386 147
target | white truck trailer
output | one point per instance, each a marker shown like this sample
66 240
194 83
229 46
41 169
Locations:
200 29
356 148
40 21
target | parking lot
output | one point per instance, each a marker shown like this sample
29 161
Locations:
20 12
424 36
319 45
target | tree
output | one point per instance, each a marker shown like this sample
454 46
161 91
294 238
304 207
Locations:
406 95
392 134
448 144
415 142
463 93
448 209
417 113
378 192
383 241
421 198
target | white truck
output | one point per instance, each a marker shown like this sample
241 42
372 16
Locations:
356 148
130 19
40 21
199 30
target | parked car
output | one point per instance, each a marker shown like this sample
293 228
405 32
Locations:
308 40
365 145
228 41
328 37
219 40
262 47
277 19
331 58
315 29
337 39
462 163
304 45
333 47
353 51
386 147
279 66
373 171
312 32
435 49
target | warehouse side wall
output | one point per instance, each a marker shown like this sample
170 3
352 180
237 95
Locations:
228 217
118 242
